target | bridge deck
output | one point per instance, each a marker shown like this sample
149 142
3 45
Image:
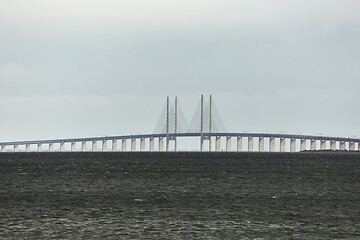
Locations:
150 135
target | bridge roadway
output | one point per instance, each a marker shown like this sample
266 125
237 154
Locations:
307 142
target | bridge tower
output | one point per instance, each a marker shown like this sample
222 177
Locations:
205 136
169 115
167 123
172 124
210 123
206 122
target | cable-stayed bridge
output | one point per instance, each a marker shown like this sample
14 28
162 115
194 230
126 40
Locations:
206 125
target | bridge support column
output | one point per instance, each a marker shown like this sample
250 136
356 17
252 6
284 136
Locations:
16 148
104 145
167 143
73 146
210 143
351 146
239 144
39 147
342 145
83 146
282 145
62 147
176 144
272 144
322 144
333 145
302 144
51 147
123 145
151 144
133 144
250 144
142 144
27 148
2 148
218 143
161 144
114 145
94 146
292 145
228 143
201 143
313 145
261 144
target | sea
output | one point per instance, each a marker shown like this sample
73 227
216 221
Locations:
183 195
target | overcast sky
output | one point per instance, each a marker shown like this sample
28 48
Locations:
73 68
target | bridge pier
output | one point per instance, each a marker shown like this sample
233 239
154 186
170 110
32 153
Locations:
333 145
39 147
217 143
83 146
16 148
73 146
272 144
201 143
27 148
2 148
161 144
94 146
228 143
167 143
250 144
51 147
62 147
176 144
210 144
322 144
302 144
133 144
104 145
313 144
342 145
151 144
351 146
123 145
142 144
261 144
282 144
292 145
239 144
114 145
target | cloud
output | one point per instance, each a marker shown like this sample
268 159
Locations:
13 72
178 13
88 59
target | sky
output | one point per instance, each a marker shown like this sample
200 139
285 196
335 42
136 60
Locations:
83 68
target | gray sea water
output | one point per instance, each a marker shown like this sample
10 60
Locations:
64 196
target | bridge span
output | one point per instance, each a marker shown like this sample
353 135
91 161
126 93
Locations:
206 125
252 142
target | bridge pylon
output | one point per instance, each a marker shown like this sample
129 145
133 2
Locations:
205 135
171 122
168 114
206 121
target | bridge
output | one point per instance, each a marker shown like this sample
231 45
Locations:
206 126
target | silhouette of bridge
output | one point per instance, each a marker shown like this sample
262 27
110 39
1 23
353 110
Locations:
206 125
